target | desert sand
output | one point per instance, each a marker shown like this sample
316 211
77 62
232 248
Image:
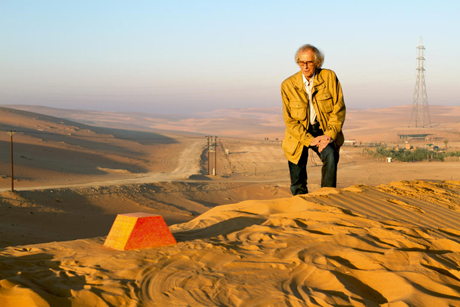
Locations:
388 235
391 245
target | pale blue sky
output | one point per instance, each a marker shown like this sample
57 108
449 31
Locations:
189 56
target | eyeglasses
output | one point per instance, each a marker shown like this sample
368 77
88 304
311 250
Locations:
308 63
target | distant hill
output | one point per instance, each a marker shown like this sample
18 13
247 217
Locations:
258 123
63 149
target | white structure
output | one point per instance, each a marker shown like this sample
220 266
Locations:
420 113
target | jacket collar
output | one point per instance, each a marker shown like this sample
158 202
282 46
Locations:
318 80
298 81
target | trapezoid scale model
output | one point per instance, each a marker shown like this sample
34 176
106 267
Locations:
139 230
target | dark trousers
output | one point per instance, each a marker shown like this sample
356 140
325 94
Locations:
330 158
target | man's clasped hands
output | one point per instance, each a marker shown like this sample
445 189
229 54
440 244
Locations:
321 142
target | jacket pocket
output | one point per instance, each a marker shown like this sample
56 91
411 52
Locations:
289 144
298 109
325 102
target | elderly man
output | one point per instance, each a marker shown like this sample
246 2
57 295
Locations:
314 113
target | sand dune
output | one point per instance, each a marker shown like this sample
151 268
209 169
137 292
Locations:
388 236
62 214
392 245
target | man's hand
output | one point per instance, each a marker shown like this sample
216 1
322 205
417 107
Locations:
321 142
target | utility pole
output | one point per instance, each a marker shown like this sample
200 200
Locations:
420 112
12 169
215 155
212 147
207 137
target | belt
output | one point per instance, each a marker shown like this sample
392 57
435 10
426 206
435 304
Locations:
315 129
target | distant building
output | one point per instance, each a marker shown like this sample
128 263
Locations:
349 143
415 137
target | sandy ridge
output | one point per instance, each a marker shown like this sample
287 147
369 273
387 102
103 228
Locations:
324 249
188 165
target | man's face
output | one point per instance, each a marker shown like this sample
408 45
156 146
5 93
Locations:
309 68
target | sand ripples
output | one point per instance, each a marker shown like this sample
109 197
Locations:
301 251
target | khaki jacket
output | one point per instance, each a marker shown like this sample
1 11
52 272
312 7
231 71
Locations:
329 106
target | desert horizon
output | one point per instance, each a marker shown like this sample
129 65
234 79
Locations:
388 235
87 146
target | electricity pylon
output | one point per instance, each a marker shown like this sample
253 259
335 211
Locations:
420 112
